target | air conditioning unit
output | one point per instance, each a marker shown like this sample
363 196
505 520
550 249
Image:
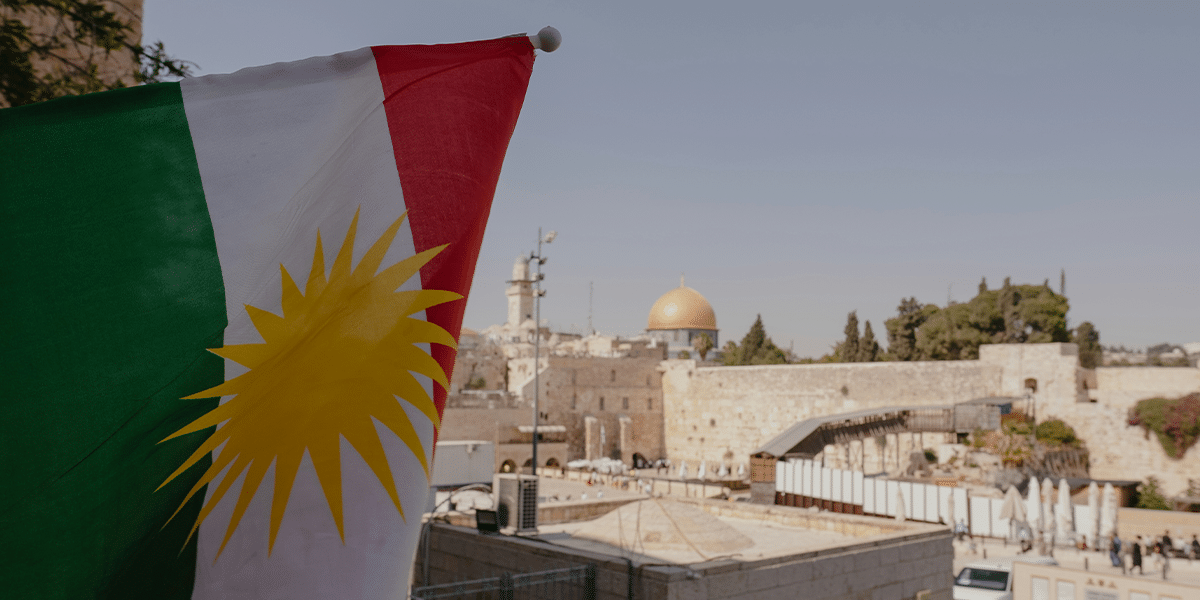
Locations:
516 502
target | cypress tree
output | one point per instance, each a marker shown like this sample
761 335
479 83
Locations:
753 341
849 350
868 348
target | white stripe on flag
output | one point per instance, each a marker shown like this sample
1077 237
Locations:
285 149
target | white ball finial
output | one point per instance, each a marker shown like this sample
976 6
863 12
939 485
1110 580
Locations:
548 39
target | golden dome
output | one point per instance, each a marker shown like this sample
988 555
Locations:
682 308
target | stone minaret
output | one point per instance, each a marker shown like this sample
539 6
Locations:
520 293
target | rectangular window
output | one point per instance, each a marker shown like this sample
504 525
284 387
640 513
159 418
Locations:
1065 590
1039 588
574 401
601 402
625 403
649 403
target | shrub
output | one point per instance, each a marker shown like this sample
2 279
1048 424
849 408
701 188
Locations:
1149 495
1055 431
931 456
1175 422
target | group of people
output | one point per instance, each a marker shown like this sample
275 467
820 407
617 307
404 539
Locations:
1160 548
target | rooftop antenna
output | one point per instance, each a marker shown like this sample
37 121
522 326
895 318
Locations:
591 293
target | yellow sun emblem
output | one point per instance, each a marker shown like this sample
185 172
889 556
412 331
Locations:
337 358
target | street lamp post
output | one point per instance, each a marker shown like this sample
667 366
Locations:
538 292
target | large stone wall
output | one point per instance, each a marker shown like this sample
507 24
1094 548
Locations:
722 414
1118 450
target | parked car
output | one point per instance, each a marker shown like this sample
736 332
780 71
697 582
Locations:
992 579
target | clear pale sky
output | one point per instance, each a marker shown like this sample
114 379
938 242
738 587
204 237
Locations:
801 160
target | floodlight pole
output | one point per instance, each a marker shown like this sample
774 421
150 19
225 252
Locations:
538 292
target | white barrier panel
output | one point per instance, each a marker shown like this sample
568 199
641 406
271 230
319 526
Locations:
1085 522
856 484
985 517
868 495
932 509
806 477
943 503
961 497
794 477
780 469
826 484
889 497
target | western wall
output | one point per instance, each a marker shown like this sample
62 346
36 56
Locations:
723 414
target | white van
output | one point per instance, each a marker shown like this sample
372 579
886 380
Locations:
992 579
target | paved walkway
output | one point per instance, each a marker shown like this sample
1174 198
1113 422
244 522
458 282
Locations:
1180 569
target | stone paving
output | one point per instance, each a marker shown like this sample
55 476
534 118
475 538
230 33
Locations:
1180 570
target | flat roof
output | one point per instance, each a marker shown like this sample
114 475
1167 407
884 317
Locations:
767 525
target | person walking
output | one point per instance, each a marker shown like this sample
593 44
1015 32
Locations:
1195 547
1114 551
1137 557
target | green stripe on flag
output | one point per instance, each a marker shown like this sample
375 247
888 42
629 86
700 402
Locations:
112 291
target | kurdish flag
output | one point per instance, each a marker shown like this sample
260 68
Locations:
231 310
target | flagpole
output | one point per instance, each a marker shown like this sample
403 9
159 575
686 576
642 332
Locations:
546 40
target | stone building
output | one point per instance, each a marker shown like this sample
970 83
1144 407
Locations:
599 395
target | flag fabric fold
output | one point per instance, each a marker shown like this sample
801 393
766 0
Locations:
232 306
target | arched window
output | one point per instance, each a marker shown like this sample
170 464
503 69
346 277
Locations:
601 402
1031 385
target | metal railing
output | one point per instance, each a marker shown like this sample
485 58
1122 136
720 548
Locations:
554 584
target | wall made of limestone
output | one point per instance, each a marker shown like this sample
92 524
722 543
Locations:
1122 387
722 413
606 389
481 423
1054 368
1118 450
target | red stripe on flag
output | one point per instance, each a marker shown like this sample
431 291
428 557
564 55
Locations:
451 110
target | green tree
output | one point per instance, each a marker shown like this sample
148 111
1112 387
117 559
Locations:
731 354
868 348
702 344
1091 353
847 351
1011 314
1150 495
65 57
685 354
902 329
756 348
